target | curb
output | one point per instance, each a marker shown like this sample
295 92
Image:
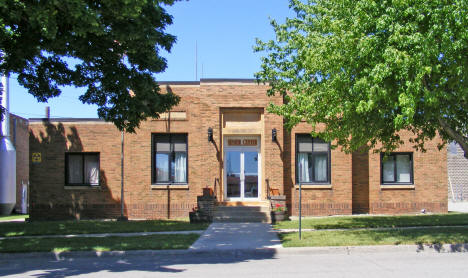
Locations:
300 251
419 248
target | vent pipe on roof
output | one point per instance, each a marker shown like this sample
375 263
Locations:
7 156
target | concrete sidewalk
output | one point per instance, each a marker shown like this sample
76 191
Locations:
458 206
237 236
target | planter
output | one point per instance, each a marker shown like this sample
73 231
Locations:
278 216
199 217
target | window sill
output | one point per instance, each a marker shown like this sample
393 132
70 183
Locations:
169 186
314 186
396 186
82 187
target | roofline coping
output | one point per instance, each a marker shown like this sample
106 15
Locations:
204 81
35 120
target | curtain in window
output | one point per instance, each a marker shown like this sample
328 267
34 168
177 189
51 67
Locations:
180 167
320 171
403 168
303 166
75 169
91 169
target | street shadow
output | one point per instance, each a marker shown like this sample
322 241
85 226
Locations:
50 197
51 265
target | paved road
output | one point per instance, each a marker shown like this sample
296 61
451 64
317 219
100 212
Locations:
272 263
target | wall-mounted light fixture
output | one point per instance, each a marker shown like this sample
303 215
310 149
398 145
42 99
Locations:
210 134
273 135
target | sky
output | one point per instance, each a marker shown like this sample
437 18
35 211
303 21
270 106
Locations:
222 31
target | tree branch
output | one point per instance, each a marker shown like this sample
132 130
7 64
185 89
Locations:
459 138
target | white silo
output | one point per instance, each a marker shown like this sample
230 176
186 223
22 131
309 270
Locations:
7 156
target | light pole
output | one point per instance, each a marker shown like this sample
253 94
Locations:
300 201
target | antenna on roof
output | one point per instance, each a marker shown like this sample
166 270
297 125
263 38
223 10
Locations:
196 61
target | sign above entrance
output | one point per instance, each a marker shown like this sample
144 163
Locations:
242 142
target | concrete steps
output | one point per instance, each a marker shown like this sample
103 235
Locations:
238 214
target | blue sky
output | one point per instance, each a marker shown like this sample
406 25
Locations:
224 32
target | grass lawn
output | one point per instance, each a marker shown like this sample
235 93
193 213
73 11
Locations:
13 229
373 237
155 242
348 222
13 217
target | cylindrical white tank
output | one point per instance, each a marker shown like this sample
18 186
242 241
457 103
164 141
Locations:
7 157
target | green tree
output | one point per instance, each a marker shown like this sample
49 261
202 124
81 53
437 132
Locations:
369 69
112 47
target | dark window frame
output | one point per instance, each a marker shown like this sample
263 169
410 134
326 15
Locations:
328 153
394 182
83 154
171 156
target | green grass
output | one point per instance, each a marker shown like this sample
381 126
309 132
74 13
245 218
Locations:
13 217
349 222
13 229
376 237
154 242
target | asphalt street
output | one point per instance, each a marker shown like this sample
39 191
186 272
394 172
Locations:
270 263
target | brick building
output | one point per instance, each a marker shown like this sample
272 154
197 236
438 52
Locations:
221 137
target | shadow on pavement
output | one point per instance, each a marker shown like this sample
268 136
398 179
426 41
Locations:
46 266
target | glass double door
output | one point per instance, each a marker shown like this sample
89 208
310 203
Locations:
242 177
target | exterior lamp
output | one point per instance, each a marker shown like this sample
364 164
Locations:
210 134
273 135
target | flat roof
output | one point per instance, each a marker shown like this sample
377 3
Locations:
211 80
66 120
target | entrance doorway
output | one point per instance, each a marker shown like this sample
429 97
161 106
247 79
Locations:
242 176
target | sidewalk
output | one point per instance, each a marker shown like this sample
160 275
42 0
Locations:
237 236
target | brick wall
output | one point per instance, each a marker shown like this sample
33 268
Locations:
332 200
49 198
360 170
430 180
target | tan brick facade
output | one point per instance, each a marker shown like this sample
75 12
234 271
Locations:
222 106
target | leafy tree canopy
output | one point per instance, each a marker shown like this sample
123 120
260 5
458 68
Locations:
109 46
368 69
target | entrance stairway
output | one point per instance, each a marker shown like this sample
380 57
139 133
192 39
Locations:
238 214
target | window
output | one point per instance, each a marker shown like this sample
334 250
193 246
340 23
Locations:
82 169
397 168
312 160
169 158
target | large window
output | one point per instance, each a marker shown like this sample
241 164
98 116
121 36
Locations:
312 160
82 169
397 168
169 158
